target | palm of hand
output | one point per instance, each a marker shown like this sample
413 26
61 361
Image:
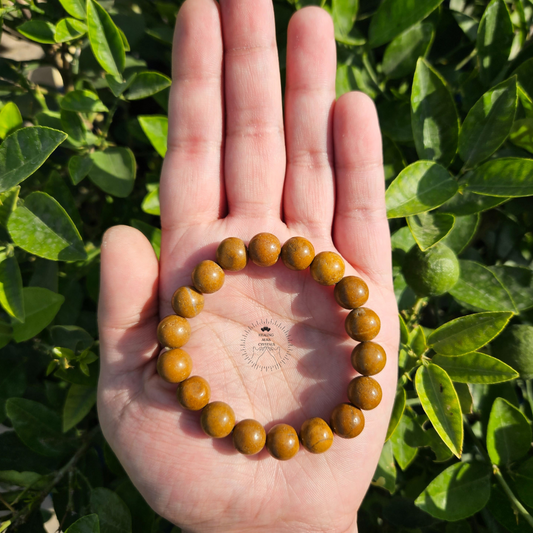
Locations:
201 483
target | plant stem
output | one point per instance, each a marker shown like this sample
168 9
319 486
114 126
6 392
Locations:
417 309
5 504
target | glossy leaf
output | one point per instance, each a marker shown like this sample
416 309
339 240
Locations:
403 239
105 39
433 116
147 84
395 16
467 23
83 102
494 40
521 133
441 403
403 52
525 77
11 285
420 187
37 426
518 281
404 331
80 400
463 231
79 167
155 128
69 29
480 289
86 524
458 492
397 411
40 306
406 440
113 514
488 123
75 8
441 451
73 126
10 119
385 475
150 204
468 333
24 151
430 228
524 482
38 31
114 170
465 397
508 433
417 340
151 233
119 85
344 13
42 227
466 203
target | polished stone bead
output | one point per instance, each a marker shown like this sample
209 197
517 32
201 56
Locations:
364 392
264 249
187 302
347 421
217 420
316 435
174 365
351 292
173 331
207 277
327 268
362 324
368 358
249 437
282 442
297 253
193 393
232 254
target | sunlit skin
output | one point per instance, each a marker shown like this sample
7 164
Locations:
238 163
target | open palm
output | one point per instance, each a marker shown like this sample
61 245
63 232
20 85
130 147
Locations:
236 167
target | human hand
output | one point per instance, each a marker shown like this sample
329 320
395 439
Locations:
235 167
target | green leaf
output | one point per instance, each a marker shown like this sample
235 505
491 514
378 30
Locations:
403 240
41 306
506 177
404 331
466 203
395 16
112 512
406 439
106 42
79 167
71 337
119 85
6 333
24 479
402 53
73 125
142 514
76 8
458 492
68 29
344 13
440 402
468 24
521 133
525 77
494 40
37 426
10 119
83 102
113 170
475 367
42 227
441 451
38 31
156 129
433 116
385 475
24 151
518 282
479 289
508 433
86 524
8 203
430 228
420 187
150 204
417 340
397 411
488 123
465 397
463 231
79 402
524 482
147 84
151 233
468 333
11 285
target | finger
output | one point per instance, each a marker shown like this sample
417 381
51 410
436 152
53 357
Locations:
310 95
191 182
128 304
254 165
361 231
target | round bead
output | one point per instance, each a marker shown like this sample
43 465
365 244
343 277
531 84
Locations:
351 292
231 254
347 421
193 393
249 437
217 420
316 435
187 302
362 324
174 365
327 268
264 249
297 253
173 331
282 442
207 277
364 392
368 358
